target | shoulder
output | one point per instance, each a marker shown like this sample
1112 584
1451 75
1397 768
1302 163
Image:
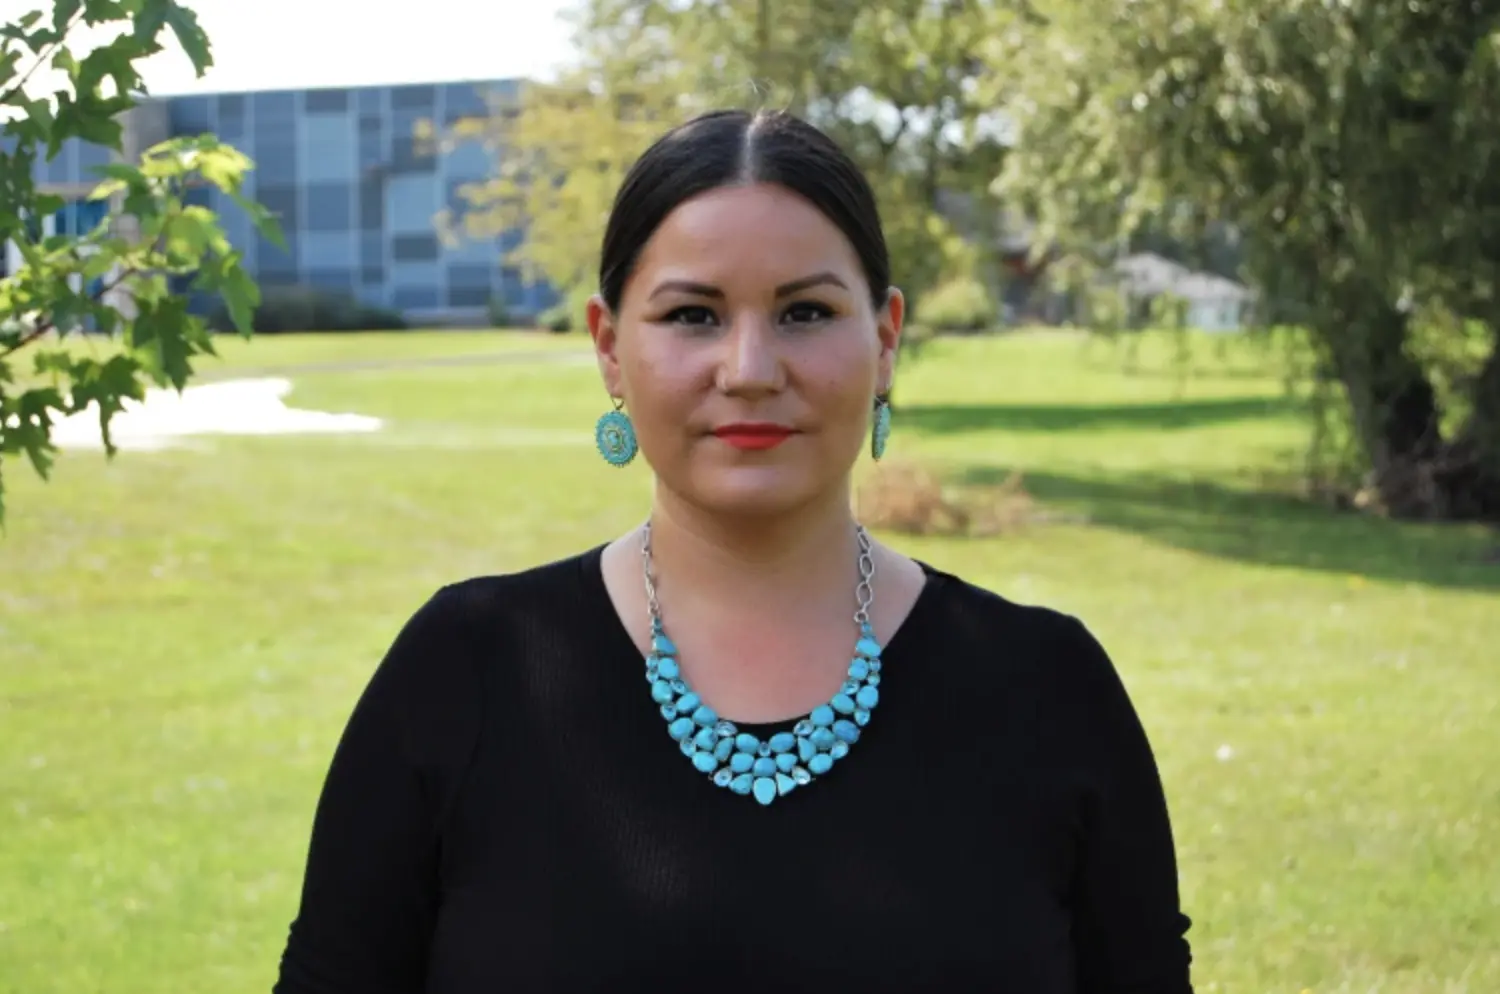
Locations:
490 602
445 647
983 618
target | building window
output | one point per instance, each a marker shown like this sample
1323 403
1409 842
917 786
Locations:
275 161
470 274
281 201
371 249
468 296
277 106
326 101
328 207
372 275
371 205
422 98
414 248
336 280
415 298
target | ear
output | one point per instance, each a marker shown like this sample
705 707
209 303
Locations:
888 325
603 331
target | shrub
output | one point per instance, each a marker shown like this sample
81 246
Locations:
289 309
957 305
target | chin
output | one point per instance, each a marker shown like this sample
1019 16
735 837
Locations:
755 492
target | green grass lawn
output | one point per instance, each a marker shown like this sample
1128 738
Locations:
182 634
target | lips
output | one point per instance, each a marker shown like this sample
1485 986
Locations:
754 436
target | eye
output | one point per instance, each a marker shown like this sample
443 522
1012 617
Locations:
691 315
807 312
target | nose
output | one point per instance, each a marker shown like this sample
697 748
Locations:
752 364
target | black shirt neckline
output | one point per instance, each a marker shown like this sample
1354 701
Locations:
592 564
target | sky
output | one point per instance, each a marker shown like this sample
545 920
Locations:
273 44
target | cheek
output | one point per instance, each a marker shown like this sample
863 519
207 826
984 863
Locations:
659 379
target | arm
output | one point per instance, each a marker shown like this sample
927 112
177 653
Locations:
1129 929
370 894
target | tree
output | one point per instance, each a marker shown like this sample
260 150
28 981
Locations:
125 278
1353 144
897 83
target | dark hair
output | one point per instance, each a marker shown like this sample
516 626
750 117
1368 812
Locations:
728 147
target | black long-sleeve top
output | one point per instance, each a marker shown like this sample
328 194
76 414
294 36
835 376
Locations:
505 812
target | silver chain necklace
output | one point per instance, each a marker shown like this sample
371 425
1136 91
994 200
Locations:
739 760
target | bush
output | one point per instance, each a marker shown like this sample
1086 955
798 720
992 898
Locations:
958 305
558 318
289 309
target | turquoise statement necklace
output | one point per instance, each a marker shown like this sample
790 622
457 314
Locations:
738 760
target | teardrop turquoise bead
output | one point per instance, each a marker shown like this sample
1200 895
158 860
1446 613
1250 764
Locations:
745 742
661 692
723 749
840 750
806 749
741 762
688 703
741 784
859 669
822 716
705 716
783 742
868 648
706 739
666 667
764 767
867 698
821 763
824 739
765 790
663 646
681 728
842 703
704 761
784 784
786 762
847 730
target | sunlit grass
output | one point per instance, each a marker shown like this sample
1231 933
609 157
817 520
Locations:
182 635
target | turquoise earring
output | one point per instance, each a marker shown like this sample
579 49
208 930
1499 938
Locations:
880 431
615 436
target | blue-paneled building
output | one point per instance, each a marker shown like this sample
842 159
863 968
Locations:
356 191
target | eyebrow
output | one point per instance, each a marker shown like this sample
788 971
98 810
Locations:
784 290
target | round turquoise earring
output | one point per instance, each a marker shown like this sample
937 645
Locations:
615 436
880 431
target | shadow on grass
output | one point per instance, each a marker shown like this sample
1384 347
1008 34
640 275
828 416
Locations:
1174 415
1270 529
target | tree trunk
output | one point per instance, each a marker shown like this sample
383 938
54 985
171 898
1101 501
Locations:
1470 475
1393 403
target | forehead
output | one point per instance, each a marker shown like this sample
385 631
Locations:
746 236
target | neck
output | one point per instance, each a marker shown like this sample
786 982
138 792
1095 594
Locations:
783 557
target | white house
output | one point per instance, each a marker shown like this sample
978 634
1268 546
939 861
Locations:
1213 302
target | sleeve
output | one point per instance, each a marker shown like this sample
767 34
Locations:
370 892
1130 933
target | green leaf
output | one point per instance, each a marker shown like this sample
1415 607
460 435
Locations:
265 222
241 296
63 11
184 24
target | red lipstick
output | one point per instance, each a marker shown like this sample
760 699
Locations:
754 436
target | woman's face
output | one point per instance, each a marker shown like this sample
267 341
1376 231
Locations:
748 352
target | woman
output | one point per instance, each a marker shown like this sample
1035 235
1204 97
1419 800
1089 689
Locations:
744 746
